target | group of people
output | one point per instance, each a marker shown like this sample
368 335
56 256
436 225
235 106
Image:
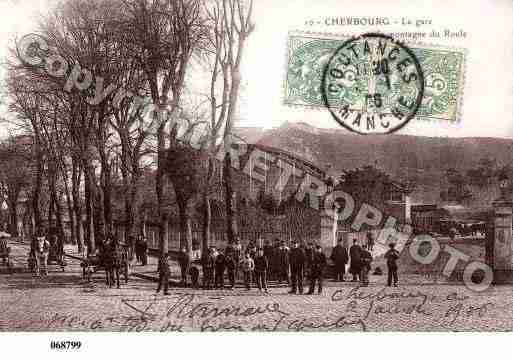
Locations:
255 265
360 262
360 259
258 265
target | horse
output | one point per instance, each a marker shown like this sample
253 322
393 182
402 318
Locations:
114 259
111 261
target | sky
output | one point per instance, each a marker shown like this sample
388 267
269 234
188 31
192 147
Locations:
18 17
487 100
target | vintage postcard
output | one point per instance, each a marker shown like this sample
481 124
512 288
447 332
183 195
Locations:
255 166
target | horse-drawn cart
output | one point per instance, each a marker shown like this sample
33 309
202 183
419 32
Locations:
113 262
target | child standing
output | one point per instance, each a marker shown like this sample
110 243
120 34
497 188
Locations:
248 265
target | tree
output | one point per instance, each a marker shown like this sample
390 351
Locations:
230 23
187 170
162 36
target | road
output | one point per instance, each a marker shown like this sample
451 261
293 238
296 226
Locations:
64 302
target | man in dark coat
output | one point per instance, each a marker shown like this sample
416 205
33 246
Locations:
340 258
230 265
297 261
268 254
234 250
370 241
144 251
309 252
392 255
184 260
283 262
316 269
219 271
355 267
275 261
365 260
261 267
207 264
164 273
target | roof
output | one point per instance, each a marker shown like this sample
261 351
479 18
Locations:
292 158
424 207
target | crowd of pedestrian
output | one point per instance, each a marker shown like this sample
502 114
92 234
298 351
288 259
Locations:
278 263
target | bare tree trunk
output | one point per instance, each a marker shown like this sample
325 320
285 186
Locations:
72 219
207 221
185 223
128 204
58 214
106 191
50 212
143 224
89 203
132 209
55 205
230 199
163 245
77 209
129 219
159 188
98 205
37 189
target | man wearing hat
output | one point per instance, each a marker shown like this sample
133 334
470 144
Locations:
297 266
316 269
355 267
365 265
340 258
392 255
261 267
283 263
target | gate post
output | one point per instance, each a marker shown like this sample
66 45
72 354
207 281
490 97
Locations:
502 241
328 232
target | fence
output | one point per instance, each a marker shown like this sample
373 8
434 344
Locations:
217 238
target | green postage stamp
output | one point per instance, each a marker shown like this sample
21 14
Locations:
443 69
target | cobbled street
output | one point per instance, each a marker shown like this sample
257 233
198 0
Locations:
63 301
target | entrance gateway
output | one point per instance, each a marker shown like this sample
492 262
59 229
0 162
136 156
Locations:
501 259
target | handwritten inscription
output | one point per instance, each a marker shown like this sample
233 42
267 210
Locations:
353 308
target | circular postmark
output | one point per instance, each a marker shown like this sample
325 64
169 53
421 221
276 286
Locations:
373 84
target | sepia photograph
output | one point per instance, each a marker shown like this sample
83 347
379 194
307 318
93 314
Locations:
175 167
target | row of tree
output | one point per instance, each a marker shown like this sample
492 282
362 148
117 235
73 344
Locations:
459 184
86 141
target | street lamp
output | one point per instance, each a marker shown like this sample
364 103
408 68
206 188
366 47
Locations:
503 183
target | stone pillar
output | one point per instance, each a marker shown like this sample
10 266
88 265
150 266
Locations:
502 247
328 234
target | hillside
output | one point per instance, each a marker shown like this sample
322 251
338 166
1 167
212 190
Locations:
423 160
